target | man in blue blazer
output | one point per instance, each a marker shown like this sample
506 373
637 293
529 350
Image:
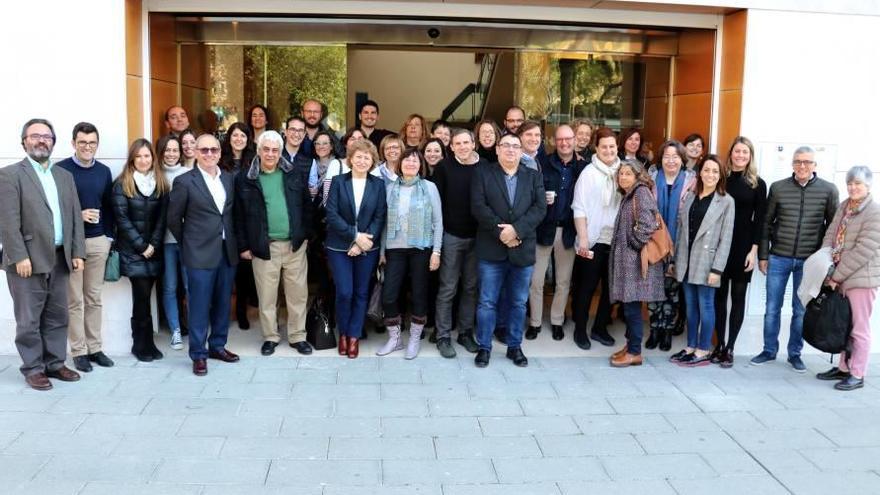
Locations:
200 216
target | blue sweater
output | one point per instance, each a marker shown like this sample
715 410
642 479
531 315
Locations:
94 186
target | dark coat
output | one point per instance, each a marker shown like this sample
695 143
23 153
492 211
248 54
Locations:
552 174
797 217
490 206
342 223
630 235
251 220
140 222
198 226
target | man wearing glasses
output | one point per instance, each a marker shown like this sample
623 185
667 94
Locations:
200 216
799 209
508 202
294 150
94 183
273 220
42 235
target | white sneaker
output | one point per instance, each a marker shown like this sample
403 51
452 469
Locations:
176 341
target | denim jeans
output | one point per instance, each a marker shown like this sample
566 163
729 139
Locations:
700 302
632 313
173 267
352 276
493 276
778 271
210 292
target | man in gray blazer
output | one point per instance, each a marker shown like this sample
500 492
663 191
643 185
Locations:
200 216
42 235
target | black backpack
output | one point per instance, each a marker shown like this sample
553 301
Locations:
828 322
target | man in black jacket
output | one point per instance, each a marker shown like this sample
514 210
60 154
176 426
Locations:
200 216
799 209
508 202
272 222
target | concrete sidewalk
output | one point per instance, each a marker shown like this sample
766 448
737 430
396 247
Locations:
328 425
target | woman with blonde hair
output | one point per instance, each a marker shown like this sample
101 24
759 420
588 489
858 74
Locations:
414 131
140 202
390 150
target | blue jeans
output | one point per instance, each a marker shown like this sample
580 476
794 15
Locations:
352 276
172 267
209 301
778 271
494 275
700 303
632 313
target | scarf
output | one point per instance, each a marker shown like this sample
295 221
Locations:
667 202
609 187
851 209
146 183
419 218
318 172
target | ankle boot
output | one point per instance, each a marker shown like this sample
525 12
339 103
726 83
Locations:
666 340
415 340
653 339
393 343
138 349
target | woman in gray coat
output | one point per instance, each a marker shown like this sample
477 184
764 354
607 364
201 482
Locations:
633 227
854 239
705 227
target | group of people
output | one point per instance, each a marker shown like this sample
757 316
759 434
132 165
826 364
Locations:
462 223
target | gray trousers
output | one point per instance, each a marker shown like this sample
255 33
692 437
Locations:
40 306
458 261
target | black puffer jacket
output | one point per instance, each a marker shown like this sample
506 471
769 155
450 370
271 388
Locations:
140 221
797 217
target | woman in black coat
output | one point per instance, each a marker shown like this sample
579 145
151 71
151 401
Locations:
140 201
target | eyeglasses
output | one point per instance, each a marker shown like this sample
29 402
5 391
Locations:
296 130
41 137
802 163
565 138
87 144
209 151
273 151
510 146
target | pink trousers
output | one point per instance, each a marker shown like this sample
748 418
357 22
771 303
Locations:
862 303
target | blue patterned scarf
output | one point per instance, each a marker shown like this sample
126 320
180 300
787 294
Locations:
668 202
420 219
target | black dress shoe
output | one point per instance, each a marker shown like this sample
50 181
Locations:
678 356
850 383
532 332
558 333
466 340
200 367
482 358
268 348
224 355
833 374
302 347
516 355
653 340
82 364
101 359
602 337
501 334
581 339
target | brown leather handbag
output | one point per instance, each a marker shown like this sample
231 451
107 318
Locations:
659 246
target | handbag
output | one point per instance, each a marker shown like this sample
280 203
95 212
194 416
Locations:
374 309
828 322
318 331
659 246
111 267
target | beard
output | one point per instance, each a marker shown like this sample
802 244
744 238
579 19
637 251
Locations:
39 154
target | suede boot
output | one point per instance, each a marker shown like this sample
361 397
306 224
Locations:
137 342
393 343
415 340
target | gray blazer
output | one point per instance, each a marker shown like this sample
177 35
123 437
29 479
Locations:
26 229
712 243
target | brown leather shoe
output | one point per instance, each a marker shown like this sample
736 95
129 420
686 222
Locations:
200 367
38 381
620 352
64 374
343 345
626 359
224 355
353 348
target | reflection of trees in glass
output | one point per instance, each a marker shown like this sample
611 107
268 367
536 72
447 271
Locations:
596 87
292 75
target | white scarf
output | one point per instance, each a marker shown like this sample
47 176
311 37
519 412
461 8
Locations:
609 188
146 183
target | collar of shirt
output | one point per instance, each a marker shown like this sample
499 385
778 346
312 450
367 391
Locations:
208 176
81 164
39 167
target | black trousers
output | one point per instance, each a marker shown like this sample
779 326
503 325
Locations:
589 274
141 290
737 291
401 264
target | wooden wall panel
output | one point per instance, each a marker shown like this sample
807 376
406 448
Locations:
195 71
691 115
654 131
732 61
134 93
162 94
163 49
692 86
730 114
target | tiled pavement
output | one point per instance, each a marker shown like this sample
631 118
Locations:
332 426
